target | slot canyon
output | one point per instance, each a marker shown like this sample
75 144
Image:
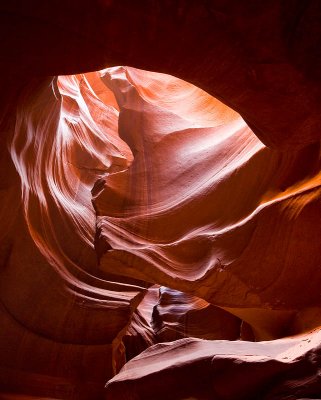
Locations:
160 190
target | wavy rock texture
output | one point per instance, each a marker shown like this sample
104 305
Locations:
60 317
261 58
178 315
142 210
223 370
206 223
141 333
193 216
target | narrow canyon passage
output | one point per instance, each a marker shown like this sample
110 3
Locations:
160 230
132 183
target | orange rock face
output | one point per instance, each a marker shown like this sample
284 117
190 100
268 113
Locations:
260 58
179 315
137 179
60 316
155 243
212 233
223 370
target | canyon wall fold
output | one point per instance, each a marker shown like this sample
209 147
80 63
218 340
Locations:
260 58
62 322
197 209
146 229
223 370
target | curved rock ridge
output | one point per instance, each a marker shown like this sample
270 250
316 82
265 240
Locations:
165 315
178 315
62 321
223 370
260 58
61 146
125 179
187 201
207 209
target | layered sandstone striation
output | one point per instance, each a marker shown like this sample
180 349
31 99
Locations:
206 223
260 58
178 315
152 238
223 370
60 317
145 211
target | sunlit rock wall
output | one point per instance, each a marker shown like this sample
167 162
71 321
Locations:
62 322
137 209
207 209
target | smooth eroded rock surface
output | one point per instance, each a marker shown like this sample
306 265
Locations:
207 209
260 58
59 317
136 208
222 370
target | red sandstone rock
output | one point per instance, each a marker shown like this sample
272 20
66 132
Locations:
138 336
260 58
178 315
236 225
222 370
197 208
59 318
198 231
